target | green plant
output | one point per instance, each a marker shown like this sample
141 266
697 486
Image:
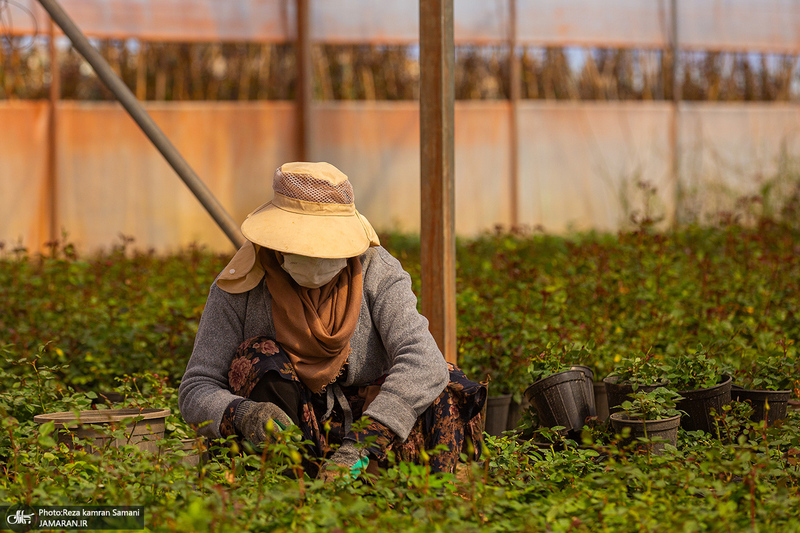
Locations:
771 371
31 387
735 426
149 390
520 487
654 405
556 358
730 287
638 370
697 370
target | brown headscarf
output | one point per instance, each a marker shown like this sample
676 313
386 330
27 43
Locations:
314 326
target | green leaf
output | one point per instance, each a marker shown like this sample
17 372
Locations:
47 428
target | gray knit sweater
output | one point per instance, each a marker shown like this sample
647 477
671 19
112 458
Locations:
391 338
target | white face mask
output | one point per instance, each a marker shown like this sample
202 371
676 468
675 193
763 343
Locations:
312 272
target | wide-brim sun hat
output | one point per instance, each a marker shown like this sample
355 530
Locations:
312 213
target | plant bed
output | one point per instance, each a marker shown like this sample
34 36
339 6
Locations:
143 427
769 405
625 292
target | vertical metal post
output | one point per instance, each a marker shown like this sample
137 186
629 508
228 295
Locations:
514 93
437 124
674 133
52 139
303 90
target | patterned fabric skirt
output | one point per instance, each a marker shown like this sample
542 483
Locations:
452 425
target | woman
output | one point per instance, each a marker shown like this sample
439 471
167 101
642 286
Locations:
313 323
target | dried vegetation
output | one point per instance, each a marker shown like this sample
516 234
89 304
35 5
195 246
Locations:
253 71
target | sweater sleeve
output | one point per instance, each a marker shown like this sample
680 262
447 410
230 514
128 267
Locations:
418 372
203 393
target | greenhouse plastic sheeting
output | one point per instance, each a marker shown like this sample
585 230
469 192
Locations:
23 171
579 164
768 25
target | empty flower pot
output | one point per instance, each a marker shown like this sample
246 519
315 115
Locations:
195 454
516 412
92 426
497 414
600 400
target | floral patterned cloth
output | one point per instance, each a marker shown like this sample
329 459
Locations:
453 420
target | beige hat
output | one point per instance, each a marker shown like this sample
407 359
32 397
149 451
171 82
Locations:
312 213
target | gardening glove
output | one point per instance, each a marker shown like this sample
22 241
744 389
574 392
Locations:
348 457
252 417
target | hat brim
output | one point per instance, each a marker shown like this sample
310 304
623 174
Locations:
313 235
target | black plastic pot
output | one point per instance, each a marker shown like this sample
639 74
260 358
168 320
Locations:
777 399
589 384
108 398
601 400
545 447
561 399
516 412
698 403
497 414
617 392
665 428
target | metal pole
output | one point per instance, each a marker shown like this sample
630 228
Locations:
145 122
514 93
674 134
52 139
303 91
437 124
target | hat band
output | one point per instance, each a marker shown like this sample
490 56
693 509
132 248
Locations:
303 207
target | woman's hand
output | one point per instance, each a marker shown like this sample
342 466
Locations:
348 460
252 417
